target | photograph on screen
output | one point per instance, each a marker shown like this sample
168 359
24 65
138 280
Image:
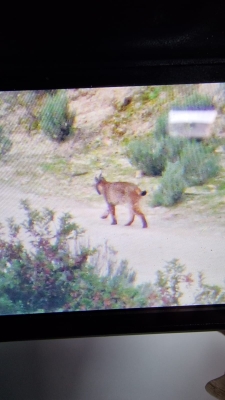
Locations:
112 198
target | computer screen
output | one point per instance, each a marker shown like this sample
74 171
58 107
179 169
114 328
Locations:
112 198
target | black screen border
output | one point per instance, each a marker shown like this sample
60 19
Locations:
141 321
93 74
127 321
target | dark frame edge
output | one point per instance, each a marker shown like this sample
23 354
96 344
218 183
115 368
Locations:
108 75
112 322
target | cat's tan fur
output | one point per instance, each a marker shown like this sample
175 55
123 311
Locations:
116 193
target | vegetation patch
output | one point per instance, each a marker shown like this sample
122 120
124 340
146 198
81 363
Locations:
150 94
5 143
56 119
55 166
171 187
52 271
194 162
198 163
151 155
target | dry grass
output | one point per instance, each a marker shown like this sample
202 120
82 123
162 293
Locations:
39 166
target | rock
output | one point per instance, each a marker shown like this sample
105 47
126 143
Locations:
220 149
126 101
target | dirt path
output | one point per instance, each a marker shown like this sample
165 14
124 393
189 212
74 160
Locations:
198 244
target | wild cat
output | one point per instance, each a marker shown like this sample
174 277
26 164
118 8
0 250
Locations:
121 193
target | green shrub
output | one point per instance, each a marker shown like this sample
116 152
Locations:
165 290
148 155
212 143
173 147
151 155
5 143
198 163
49 275
189 163
56 120
171 187
209 294
161 127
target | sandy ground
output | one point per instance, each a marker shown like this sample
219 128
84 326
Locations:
198 244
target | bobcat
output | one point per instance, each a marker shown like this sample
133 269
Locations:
121 193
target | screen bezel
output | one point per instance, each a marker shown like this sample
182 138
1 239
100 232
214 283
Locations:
112 322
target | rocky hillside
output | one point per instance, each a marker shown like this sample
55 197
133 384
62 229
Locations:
106 120
122 113
108 113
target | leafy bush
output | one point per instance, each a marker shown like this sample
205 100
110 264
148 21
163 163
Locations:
195 165
173 147
5 143
53 272
209 294
198 163
48 275
171 187
194 162
168 282
148 156
56 120
151 155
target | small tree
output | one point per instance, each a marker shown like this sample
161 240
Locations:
56 119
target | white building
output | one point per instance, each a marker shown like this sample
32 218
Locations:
191 123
